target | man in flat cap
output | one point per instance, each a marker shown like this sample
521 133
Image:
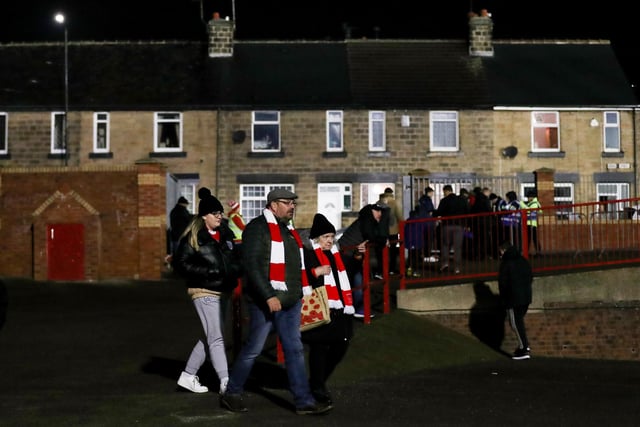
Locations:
275 281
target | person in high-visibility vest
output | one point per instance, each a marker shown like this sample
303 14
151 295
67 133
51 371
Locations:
236 221
532 217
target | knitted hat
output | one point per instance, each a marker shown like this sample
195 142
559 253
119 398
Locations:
208 205
321 225
183 201
203 192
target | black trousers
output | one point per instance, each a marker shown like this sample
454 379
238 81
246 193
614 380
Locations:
516 320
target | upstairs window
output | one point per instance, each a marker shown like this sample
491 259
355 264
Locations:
266 131
334 131
167 133
545 126
58 131
101 132
377 132
611 131
4 134
443 131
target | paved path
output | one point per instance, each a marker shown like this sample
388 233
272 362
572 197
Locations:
109 355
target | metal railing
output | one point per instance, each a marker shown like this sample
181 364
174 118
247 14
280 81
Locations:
568 237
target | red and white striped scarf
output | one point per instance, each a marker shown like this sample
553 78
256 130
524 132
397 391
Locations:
330 281
277 267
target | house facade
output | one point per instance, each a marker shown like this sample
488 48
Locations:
334 121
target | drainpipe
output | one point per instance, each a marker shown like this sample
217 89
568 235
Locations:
635 155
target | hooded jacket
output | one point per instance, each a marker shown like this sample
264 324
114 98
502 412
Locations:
514 279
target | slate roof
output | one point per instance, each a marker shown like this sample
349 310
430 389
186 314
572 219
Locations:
369 74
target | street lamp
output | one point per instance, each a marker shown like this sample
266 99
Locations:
59 18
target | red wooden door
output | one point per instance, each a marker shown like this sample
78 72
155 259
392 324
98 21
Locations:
65 251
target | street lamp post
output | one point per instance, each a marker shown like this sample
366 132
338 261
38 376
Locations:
60 19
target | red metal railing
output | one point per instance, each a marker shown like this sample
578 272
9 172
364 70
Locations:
569 236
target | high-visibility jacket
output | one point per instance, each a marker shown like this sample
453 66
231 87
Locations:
532 215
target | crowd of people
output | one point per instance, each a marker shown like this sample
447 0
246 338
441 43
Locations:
455 235
276 267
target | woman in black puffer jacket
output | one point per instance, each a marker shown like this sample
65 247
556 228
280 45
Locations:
206 258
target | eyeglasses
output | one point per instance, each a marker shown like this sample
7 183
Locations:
217 213
287 202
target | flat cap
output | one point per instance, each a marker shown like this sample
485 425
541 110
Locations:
280 193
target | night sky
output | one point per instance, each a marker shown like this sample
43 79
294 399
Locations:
615 20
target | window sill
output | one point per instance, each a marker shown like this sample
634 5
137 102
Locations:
609 154
168 154
101 155
269 155
334 154
378 154
546 154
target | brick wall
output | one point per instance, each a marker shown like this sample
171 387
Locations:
121 209
573 330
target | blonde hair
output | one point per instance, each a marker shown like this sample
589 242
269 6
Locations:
196 224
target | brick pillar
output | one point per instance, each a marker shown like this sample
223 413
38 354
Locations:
544 185
152 219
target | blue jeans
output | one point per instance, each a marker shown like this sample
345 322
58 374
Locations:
287 325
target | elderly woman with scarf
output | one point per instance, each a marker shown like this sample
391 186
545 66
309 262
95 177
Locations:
328 343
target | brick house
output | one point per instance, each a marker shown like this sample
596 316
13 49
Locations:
335 121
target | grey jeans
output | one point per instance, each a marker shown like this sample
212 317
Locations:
211 311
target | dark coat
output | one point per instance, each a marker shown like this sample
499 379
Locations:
179 218
341 326
214 265
256 256
453 205
514 279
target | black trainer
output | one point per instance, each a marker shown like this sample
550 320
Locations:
232 402
521 354
316 409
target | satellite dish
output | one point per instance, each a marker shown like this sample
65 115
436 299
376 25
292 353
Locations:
509 152
238 136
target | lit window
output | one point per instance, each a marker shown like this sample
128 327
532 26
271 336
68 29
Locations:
545 131
443 131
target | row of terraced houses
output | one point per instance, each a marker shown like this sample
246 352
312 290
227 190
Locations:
86 186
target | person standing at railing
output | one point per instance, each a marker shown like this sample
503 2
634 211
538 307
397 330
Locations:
426 210
452 229
514 284
511 222
532 218
365 230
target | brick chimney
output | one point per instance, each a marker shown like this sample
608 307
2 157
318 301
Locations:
220 37
480 34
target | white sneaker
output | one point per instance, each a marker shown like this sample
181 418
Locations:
191 383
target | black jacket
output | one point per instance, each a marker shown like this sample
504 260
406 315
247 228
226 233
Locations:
515 279
256 256
215 265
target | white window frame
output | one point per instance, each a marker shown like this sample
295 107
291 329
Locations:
377 131
58 119
611 131
442 124
166 118
335 130
101 131
4 133
187 189
265 135
253 198
541 121
606 191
